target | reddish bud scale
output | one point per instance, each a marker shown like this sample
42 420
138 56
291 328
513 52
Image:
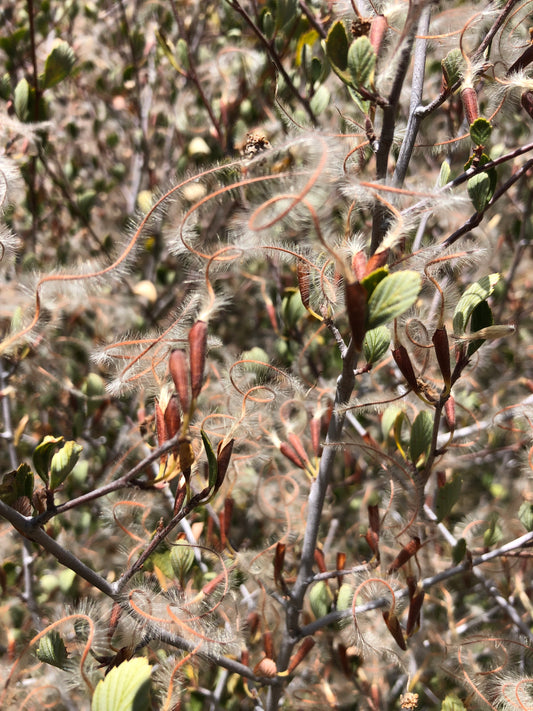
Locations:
304 282
442 351
359 265
373 518
291 455
268 645
413 616
223 460
441 478
186 458
394 627
271 311
401 356
228 514
296 444
377 260
160 425
356 298
320 560
304 649
526 100
180 498
177 365
405 554
172 417
470 105
378 28
449 412
315 427
279 559
372 538
341 560
197 352
116 613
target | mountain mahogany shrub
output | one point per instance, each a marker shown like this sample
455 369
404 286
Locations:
306 459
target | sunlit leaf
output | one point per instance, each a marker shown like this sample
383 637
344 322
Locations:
125 688
392 297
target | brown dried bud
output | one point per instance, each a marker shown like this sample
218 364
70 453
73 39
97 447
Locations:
160 425
315 426
377 260
197 351
378 28
304 649
359 265
223 460
442 351
401 356
470 104
287 451
179 370
22 504
394 627
405 554
526 101
172 417
449 411
304 282
356 299
266 667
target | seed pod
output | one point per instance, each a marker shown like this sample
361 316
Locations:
177 365
401 356
197 351
442 351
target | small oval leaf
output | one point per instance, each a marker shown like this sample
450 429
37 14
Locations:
52 650
63 462
479 191
421 434
480 131
58 65
361 62
125 688
392 297
477 292
376 344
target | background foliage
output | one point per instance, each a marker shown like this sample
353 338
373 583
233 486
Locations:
333 506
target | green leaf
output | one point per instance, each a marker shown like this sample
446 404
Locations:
453 67
21 99
477 292
211 459
42 456
376 344
444 174
370 281
52 650
337 50
320 599
525 515
459 551
17 484
479 191
63 462
481 318
392 297
446 498
320 100
452 703
125 688
58 65
181 559
361 62
421 434
493 533
480 131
